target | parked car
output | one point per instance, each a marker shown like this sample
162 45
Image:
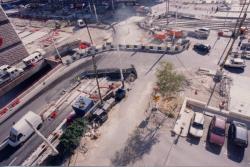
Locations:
216 132
99 116
120 94
225 33
202 48
235 63
196 127
238 134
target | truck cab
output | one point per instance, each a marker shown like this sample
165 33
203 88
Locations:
21 131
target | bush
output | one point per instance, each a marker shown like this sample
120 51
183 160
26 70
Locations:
71 137
168 81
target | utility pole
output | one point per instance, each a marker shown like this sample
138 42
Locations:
94 64
44 139
53 42
96 16
167 10
113 7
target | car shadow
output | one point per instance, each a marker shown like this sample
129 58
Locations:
234 152
193 140
6 152
234 70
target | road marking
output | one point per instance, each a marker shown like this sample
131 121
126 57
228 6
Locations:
4 144
12 161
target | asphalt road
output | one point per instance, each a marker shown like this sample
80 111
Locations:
144 63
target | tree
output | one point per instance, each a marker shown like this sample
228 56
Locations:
70 139
168 81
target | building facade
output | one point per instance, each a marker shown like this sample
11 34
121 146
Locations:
12 49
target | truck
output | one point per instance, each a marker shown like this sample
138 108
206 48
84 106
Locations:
21 130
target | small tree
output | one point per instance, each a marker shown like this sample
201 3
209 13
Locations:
72 136
168 81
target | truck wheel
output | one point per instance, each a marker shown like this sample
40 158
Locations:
39 126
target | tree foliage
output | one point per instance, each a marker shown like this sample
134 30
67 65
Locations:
168 81
72 136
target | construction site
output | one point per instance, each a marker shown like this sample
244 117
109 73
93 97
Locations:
124 82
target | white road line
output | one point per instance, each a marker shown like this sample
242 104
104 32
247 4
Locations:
3 144
12 161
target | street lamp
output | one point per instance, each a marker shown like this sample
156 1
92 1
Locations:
118 50
94 63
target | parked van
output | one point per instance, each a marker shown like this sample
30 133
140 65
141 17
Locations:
4 67
4 76
21 131
14 72
33 58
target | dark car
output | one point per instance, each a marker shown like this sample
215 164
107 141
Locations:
216 132
238 134
120 94
202 48
99 116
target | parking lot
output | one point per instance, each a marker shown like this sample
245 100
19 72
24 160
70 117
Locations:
190 151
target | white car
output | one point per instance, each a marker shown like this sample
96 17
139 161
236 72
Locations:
196 126
235 63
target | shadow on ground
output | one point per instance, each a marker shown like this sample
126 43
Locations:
234 70
193 140
139 143
234 152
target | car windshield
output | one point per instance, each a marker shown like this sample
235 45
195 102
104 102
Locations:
197 125
12 137
218 131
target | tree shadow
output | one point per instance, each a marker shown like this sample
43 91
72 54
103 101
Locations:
136 147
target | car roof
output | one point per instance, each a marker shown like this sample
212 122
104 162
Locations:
238 60
199 118
220 122
241 130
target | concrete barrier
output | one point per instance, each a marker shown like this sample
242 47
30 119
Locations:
213 110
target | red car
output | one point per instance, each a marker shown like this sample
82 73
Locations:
216 132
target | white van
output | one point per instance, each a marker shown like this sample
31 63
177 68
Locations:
21 131
33 58
4 76
4 67
15 72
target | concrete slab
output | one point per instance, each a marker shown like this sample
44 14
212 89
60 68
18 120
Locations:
33 37
240 97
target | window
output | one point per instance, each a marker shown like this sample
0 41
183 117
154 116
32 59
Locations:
19 136
218 131
12 137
